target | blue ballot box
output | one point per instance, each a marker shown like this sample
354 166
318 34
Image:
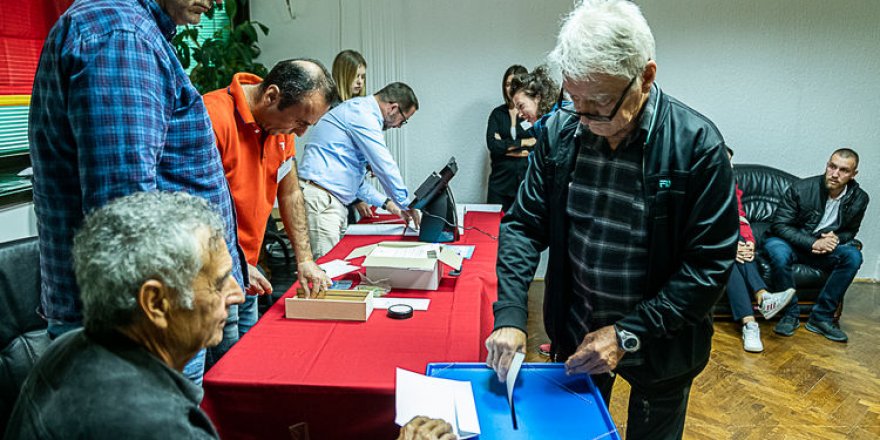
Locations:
548 404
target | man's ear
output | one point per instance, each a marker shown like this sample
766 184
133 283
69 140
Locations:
154 300
271 96
649 75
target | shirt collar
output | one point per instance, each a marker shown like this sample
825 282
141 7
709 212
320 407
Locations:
238 96
163 20
842 193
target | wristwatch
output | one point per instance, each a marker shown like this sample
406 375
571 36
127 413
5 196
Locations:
385 204
627 341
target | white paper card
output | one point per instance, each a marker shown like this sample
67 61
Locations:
463 251
512 373
438 398
336 268
284 169
416 303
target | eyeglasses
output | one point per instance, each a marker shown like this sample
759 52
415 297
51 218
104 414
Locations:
405 120
595 117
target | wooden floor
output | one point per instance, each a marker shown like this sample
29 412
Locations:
802 387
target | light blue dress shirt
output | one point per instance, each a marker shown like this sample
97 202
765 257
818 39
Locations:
341 145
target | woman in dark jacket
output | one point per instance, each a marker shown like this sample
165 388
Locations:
509 143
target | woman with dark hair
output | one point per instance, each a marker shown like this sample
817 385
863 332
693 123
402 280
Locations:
534 96
509 142
350 74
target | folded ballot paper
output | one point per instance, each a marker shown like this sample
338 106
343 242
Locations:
446 399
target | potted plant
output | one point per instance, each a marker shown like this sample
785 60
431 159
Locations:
230 50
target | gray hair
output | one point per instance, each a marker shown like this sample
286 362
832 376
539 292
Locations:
133 239
608 37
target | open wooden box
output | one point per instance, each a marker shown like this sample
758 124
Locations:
334 305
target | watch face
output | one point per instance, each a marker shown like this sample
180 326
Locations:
630 344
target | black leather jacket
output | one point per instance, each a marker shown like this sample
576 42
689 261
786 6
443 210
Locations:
802 208
692 233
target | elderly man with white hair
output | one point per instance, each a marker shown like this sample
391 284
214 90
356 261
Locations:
633 193
156 283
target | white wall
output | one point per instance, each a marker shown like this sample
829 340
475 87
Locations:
786 81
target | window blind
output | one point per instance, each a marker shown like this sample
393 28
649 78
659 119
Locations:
13 130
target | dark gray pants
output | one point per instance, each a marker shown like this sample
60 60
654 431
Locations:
655 412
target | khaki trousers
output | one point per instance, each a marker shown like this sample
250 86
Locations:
327 218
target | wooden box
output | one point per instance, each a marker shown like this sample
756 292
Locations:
334 305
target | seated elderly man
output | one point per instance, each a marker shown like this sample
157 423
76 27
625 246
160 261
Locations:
156 282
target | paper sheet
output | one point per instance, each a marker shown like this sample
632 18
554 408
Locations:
405 252
450 400
336 268
463 251
381 229
416 303
512 374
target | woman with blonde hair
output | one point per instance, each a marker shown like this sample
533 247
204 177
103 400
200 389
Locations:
350 74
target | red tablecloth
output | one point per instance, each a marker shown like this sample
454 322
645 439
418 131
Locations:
339 376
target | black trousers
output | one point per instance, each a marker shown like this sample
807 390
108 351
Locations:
655 412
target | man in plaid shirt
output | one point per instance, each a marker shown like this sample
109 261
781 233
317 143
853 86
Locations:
113 113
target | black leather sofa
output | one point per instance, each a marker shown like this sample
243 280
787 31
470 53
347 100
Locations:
763 189
23 335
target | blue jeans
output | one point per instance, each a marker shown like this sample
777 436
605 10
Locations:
744 283
241 318
843 263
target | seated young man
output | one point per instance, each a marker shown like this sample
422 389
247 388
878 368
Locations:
816 224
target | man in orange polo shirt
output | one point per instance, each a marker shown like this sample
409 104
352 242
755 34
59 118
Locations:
254 121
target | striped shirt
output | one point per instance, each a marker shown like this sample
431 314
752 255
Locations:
608 230
112 113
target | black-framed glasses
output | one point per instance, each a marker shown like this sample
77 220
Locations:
405 120
595 117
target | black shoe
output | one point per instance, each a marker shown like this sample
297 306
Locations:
827 329
786 326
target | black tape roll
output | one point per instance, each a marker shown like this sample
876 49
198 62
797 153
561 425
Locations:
400 311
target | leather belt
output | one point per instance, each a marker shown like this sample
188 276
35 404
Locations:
316 185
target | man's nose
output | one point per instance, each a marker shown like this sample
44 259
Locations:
235 296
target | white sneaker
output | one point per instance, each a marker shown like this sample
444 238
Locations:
773 303
752 338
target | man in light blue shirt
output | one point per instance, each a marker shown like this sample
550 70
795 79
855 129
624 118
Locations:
333 168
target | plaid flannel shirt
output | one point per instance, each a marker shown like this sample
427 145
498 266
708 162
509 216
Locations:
113 113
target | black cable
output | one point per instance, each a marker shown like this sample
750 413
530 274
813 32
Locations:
474 228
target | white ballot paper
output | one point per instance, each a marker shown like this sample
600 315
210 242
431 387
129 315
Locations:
447 399
337 267
416 303
512 373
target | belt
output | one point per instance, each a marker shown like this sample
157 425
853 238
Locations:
316 185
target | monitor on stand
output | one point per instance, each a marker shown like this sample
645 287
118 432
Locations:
434 198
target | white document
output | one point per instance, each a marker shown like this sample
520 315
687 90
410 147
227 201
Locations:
405 252
525 125
336 268
381 229
463 251
438 398
416 303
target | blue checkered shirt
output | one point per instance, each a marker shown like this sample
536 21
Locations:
113 113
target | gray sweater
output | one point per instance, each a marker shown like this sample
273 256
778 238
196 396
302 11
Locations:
106 387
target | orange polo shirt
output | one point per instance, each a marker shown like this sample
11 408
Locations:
251 160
